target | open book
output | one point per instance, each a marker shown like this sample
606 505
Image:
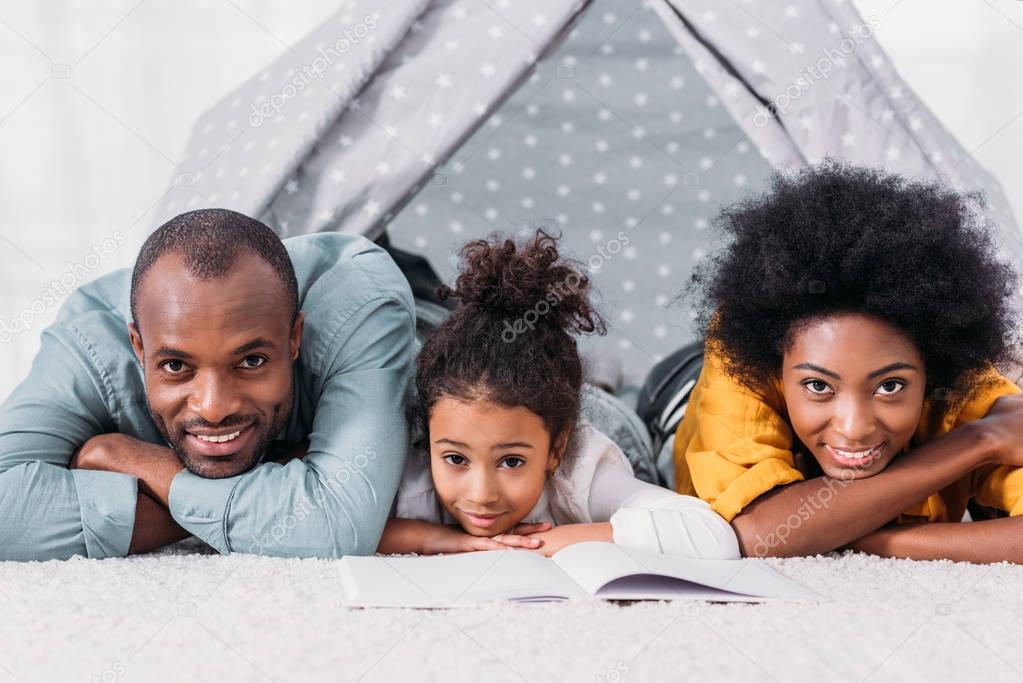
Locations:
583 570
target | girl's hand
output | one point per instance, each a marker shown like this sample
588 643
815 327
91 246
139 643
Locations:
448 539
523 529
565 535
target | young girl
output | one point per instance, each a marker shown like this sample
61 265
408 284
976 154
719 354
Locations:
504 459
848 396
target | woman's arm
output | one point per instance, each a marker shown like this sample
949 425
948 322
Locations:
822 514
992 540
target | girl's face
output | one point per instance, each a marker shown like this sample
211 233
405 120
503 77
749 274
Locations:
489 462
854 390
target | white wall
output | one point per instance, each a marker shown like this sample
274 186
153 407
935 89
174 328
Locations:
965 59
99 97
98 101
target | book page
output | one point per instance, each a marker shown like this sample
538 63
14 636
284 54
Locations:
606 570
650 587
447 580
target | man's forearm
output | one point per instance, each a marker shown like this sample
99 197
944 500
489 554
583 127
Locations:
153 465
819 515
993 540
154 527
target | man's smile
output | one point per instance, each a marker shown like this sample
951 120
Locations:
220 443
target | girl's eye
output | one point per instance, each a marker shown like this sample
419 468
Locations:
892 386
817 387
514 462
172 367
253 362
455 459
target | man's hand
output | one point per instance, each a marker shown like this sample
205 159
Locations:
94 454
567 534
155 466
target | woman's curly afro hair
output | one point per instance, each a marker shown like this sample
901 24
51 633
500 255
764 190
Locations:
836 238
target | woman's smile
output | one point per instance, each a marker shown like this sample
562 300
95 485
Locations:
859 458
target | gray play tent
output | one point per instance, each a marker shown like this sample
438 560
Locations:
623 123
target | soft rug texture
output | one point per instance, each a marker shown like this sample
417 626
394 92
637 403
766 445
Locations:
186 615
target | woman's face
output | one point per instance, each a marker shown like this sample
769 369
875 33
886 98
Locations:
489 462
854 390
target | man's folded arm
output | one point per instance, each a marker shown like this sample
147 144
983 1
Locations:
334 501
47 511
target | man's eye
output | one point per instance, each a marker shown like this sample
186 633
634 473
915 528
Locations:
513 462
253 362
455 459
817 387
172 367
892 386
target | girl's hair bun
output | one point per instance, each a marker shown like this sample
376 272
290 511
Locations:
525 281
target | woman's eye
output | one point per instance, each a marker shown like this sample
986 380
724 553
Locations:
816 386
172 367
890 387
455 459
514 462
253 362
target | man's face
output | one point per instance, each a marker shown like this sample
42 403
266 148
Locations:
217 356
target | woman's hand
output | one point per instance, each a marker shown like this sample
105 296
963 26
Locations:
565 535
1002 427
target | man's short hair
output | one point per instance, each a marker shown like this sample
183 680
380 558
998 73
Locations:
210 242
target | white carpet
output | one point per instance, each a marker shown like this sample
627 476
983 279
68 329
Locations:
184 615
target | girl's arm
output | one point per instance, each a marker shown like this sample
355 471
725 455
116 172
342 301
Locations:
427 538
992 540
822 514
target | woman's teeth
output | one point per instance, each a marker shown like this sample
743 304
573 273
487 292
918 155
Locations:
856 457
219 439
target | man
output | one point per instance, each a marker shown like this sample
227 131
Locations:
173 393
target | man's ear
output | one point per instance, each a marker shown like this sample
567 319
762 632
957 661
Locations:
136 340
296 334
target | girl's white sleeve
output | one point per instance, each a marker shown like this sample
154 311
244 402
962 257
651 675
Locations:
655 519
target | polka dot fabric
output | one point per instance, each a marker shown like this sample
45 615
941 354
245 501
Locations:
616 142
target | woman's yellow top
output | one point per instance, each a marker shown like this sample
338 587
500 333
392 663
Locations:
735 444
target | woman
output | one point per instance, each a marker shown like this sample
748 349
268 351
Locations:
848 396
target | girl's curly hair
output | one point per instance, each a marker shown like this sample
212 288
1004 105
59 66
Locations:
836 238
510 339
